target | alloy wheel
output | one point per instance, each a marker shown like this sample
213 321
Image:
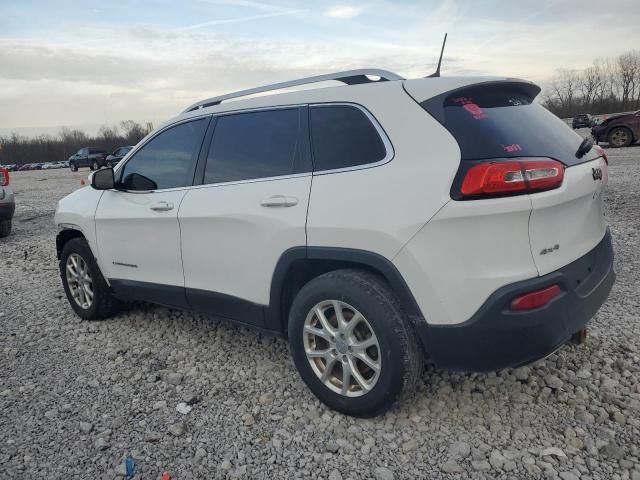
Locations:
342 348
79 280
619 138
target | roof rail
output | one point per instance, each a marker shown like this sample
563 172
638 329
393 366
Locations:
349 77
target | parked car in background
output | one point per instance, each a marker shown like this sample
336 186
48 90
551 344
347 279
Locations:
53 165
91 157
27 166
360 223
618 130
582 120
12 167
7 203
117 155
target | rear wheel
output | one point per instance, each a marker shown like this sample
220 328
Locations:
94 166
85 287
73 167
5 227
620 137
352 344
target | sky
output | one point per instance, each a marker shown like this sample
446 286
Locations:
83 64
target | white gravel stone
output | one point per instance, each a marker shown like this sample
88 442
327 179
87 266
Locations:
383 473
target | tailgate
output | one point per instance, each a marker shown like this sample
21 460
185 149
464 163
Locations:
568 222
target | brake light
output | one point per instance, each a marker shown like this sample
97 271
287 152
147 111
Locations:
602 153
4 177
535 299
511 177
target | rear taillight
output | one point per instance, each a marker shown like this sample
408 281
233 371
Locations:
4 177
535 299
496 178
602 153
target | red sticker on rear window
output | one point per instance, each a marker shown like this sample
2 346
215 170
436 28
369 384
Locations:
514 147
471 107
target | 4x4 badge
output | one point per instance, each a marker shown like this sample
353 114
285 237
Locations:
596 173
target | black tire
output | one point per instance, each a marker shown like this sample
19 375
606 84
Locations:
399 351
94 166
5 227
73 167
614 137
104 304
109 165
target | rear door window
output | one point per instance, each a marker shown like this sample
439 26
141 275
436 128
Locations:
167 160
343 136
252 145
502 122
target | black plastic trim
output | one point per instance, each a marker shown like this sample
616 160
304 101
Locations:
376 262
166 295
268 318
497 337
226 306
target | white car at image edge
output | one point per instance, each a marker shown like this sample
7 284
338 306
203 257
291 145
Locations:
374 225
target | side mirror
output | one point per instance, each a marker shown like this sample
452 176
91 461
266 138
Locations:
103 179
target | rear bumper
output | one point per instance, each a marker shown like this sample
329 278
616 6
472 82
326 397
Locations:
497 337
7 204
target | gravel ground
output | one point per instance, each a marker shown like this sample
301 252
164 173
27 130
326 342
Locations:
78 397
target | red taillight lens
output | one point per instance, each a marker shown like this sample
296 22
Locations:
535 299
602 153
4 177
511 177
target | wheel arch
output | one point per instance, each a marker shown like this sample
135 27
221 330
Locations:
64 236
634 137
299 265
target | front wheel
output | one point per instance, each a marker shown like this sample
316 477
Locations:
352 344
73 167
620 137
85 287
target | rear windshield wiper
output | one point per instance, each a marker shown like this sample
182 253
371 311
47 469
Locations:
585 146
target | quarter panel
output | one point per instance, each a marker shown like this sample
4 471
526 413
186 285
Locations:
465 253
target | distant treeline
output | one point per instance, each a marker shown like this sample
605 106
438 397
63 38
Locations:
610 85
16 149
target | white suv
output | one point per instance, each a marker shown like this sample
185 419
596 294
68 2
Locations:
372 224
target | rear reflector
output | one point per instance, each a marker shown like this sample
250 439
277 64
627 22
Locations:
4 177
602 153
535 299
511 177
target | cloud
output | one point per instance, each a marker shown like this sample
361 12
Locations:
343 11
269 11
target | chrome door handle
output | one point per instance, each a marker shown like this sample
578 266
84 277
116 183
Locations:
162 206
279 201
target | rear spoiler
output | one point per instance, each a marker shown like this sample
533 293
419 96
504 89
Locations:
435 105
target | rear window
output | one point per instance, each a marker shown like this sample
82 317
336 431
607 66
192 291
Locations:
499 122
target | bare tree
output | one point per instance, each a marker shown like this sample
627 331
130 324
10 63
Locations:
628 76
